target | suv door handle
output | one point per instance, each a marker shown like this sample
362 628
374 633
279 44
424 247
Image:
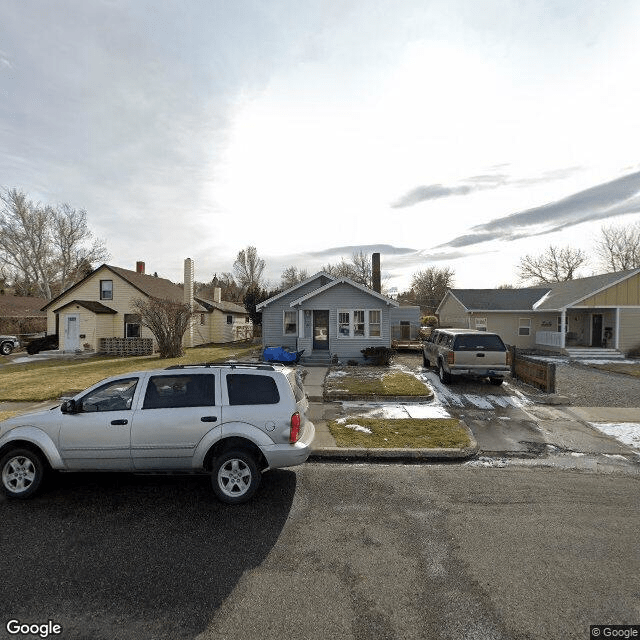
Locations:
117 422
208 418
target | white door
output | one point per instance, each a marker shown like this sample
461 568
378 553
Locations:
72 332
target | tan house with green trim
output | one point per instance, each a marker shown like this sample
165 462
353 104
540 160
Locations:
599 312
101 306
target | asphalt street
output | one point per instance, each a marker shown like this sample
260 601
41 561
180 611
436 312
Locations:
328 550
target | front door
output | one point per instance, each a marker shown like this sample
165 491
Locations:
596 330
321 330
72 332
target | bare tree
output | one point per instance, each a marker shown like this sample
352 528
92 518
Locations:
358 269
430 286
43 246
248 269
167 320
292 276
619 247
556 264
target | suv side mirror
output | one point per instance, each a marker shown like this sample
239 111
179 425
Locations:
68 406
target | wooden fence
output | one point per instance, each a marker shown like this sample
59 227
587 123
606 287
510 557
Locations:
537 373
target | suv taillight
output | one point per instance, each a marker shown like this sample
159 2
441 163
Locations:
451 358
509 357
294 434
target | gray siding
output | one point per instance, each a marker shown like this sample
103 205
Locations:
344 296
340 297
272 314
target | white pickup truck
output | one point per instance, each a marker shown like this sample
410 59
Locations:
462 352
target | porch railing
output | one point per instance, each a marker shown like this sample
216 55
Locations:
549 338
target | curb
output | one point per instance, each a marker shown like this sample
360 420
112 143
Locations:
351 454
334 396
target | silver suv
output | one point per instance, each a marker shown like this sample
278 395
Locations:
232 421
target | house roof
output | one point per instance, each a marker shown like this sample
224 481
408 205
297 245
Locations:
552 297
91 305
227 307
148 285
499 299
566 294
349 282
21 306
264 303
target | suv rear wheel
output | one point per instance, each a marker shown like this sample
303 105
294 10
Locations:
235 476
445 377
22 471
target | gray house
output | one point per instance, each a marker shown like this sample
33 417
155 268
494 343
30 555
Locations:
327 317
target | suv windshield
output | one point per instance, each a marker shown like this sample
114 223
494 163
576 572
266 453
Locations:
479 343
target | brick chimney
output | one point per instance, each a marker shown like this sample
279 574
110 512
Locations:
375 272
140 267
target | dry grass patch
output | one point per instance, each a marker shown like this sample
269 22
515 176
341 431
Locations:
377 381
7 414
626 368
50 379
404 433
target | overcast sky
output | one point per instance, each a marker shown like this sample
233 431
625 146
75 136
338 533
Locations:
457 133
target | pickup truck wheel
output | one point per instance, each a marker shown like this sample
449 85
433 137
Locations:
445 377
22 472
6 348
235 476
495 381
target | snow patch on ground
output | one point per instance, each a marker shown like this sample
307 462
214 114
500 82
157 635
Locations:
626 432
391 410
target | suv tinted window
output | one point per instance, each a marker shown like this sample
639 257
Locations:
164 392
112 396
479 343
250 389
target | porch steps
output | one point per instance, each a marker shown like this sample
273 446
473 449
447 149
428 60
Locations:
316 359
590 353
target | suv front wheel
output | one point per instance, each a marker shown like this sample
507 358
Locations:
22 471
235 476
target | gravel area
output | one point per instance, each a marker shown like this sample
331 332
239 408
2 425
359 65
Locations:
589 387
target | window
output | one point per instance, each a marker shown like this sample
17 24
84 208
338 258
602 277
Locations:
476 342
106 289
251 389
524 327
344 324
290 323
375 317
481 324
229 319
113 396
165 392
566 325
131 325
202 320
359 323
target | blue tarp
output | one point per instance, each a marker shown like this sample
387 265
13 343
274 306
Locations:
280 354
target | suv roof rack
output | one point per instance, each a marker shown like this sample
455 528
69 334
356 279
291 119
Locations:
232 364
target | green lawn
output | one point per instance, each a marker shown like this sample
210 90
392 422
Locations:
378 381
399 433
50 379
